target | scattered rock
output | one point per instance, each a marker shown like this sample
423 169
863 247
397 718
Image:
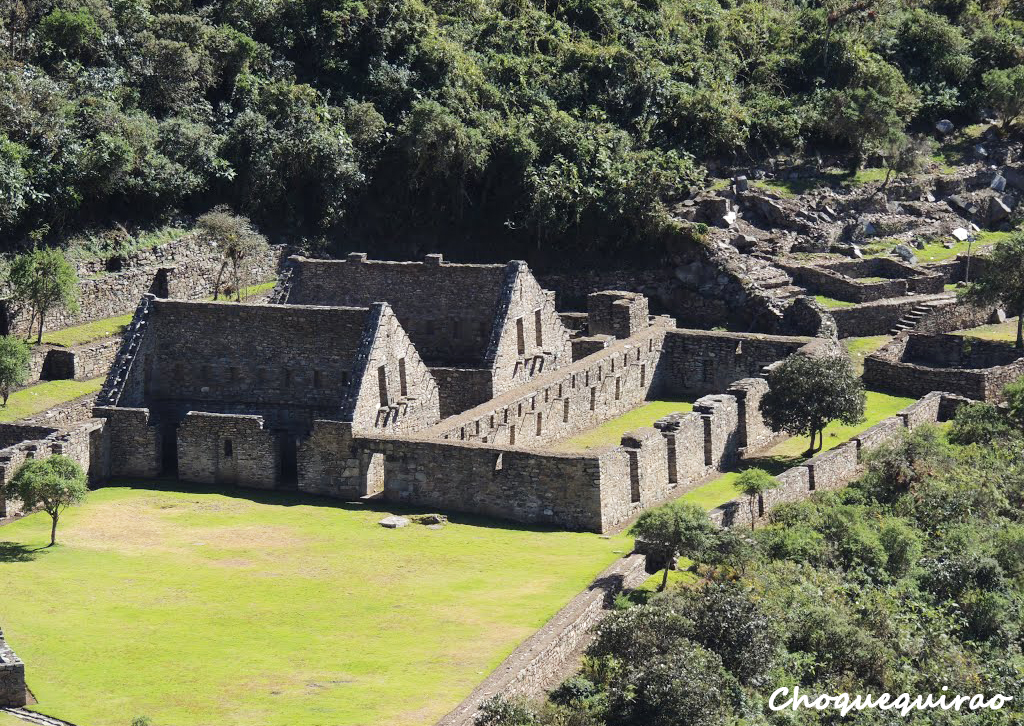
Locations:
961 234
430 519
998 316
998 183
980 151
856 253
394 522
741 183
944 127
920 244
905 253
929 197
948 245
997 211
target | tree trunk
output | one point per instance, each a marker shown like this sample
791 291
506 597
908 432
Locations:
664 578
53 529
40 339
6 394
238 281
1020 330
751 499
220 275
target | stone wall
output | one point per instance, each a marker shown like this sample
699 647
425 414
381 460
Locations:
64 414
460 389
222 449
13 693
918 363
566 401
821 281
837 467
874 318
81 362
185 268
921 281
447 309
616 313
696 362
133 441
542 658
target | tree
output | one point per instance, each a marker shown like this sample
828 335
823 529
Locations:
753 483
239 244
673 529
1002 281
14 362
904 155
806 392
43 280
54 484
1004 89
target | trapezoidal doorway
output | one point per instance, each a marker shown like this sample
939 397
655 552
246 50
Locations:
373 482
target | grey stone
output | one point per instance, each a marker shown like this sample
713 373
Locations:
997 211
394 522
856 252
905 253
944 127
998 316
742 184
980 151
998 183
961 234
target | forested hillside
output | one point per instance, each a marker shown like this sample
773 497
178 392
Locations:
558 124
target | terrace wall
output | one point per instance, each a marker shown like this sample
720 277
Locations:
915 364
13 693
181 269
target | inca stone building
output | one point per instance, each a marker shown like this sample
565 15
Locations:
434 384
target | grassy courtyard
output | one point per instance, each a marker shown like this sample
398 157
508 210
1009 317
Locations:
1006 332
88 332
42 396
610 432
790 452
207 607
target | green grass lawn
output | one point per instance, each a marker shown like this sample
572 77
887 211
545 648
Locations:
998 331
790 453
88 332
36 399
7 719
207 607
832 303
610 432
861 348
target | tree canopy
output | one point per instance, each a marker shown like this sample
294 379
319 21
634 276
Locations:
569 125
1001 280
52 484
806 392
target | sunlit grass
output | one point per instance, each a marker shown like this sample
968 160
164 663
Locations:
88 332
42 396
610 432
225 607
831 303
792 451
860 348
1006 332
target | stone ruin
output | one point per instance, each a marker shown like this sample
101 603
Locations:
13 693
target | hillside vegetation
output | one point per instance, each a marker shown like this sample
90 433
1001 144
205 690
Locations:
565 124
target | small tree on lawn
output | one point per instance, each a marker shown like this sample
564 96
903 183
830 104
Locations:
43 280
671 530
1002 281
753 483
239 246
806 392
54 484
14 362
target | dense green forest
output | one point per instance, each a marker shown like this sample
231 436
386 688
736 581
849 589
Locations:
908 581
534 123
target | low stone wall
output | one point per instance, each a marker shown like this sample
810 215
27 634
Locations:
133 441
566 401
64 414
875 318
13 693
84 443
822 281
542 657
954 316
698 362
185 268
837 467
915 364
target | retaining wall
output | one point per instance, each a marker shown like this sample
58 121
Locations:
12 677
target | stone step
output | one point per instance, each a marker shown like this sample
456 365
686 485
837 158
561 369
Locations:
36 718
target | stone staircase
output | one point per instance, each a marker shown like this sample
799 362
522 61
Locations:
36 718
774 282
910 320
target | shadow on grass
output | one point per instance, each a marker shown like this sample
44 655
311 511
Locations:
774 465
17 552
295 498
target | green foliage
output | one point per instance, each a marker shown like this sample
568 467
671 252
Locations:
1004 89
42 280
806 392
240 246
673 529
1001 280
53 484
915 592
14 364
980 423
570 126
753 483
